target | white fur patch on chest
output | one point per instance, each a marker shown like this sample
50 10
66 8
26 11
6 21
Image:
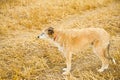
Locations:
60 48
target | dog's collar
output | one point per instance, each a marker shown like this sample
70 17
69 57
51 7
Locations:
55 38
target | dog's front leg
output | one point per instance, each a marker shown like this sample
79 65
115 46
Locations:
68 57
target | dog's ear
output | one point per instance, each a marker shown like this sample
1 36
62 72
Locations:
50 30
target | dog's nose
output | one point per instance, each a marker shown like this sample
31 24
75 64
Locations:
38 37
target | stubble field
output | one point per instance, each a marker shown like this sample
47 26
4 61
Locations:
24 57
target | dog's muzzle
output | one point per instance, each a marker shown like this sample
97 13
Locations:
41 35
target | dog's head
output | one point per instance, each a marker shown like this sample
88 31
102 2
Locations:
47 33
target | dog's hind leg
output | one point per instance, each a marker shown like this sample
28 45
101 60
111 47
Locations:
100 52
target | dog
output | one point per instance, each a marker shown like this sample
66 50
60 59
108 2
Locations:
70 41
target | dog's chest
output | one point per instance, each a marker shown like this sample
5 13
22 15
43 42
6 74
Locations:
60 48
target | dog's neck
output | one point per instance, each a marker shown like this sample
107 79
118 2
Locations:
55 37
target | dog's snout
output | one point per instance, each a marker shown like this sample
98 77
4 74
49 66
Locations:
38 37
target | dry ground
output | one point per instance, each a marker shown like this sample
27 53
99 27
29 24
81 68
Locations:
24 57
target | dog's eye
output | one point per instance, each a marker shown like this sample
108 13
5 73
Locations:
42 34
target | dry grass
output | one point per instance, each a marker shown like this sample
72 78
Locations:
23 56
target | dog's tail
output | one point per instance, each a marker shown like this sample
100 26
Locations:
108 54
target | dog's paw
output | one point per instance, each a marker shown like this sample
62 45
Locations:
66 73
100 70
103 68
64 69
114 61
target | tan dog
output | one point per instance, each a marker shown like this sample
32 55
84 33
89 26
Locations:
71 41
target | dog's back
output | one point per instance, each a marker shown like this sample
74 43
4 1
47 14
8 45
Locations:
76 39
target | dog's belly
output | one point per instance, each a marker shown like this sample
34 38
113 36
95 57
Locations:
79 47
74 47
